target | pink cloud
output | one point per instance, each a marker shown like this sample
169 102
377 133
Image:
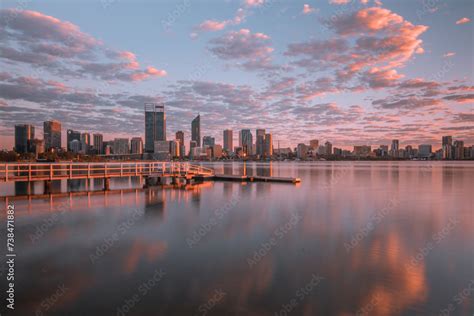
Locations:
463 21
339 2
214 25
252 48
60 47
254 3
449 54
307 9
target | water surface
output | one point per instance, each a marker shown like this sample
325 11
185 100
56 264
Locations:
380 238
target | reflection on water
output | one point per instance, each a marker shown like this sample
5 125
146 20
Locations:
377 233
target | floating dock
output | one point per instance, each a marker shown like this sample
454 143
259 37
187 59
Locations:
240 178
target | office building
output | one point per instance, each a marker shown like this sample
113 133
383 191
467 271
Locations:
245 141
74 146
260 142
24 135
362 151
136 145
192 144
328 148
73 135
301 151
37 147
458 148
180 137
174 148
85 143
395 148
268 147
424 151
447 147
208 141
217 151
121 146
52 135
155 125
98 143
196 130
228 140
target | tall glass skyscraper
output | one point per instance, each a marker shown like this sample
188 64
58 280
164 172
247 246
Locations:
72 135
196 130
155 125
228 141
52 134
24 135
245 141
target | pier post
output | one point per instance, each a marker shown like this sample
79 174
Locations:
174 180
47 187
106 184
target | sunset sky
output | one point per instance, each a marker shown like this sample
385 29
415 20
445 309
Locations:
351 72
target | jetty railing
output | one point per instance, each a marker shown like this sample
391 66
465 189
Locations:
10 172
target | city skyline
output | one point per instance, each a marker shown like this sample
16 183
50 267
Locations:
409 77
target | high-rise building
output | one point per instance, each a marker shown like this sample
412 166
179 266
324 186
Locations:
136 145
85 143
245 141
208 141
301 151
24 135
447 147
37 147
98 143
180 136
458 148
155 125
174 148
52 135
424 151
74 146
328 147
395 148
260 142
180 140
314 144
196 130
192 144
217 151
268 148
228 140
121 146
73 135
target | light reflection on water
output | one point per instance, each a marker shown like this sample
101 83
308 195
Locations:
57 236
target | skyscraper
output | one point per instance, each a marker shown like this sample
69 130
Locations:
458 148
155 125
328 147
85 143
268 150
228 140
52 135
314 144
447 147
196 130
245 141
260 141
395 147
72 135
98 143
24 135
180 140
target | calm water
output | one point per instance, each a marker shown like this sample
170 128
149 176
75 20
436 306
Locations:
379 238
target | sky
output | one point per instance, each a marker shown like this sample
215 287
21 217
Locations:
352 72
